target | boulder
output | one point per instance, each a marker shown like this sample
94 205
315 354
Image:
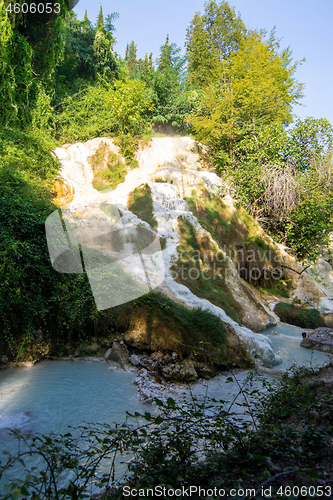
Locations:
118 354
135 360
320 339
204 371
180 372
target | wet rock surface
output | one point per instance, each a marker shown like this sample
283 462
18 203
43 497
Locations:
118 354
158 374
320 339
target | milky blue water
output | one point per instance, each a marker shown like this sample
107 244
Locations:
52 395
287 345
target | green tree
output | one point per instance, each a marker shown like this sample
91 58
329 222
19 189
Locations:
211 38
146 70
131 60
201 62
86 23
109 20
168 83
31 47
78 61
128 103
100 20
105 60
310 141
253 89
225 29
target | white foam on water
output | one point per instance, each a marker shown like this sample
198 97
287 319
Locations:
14 420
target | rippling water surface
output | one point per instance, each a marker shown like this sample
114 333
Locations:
287 345
52 395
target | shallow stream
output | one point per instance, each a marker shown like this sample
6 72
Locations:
52 395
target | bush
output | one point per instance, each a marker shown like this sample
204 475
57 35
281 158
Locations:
32 295
104 109
279 436
295 315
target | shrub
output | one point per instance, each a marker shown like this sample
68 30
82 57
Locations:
296 315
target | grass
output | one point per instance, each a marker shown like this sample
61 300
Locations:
296 315
128 146
109 171
192 333
281 289
203 282
227 227
140 203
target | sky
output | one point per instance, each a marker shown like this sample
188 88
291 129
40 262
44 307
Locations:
303 25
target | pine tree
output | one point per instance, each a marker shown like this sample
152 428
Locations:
105 60
131 60
86 23
201 61
225 29
147 70
165 59
150 61
100 20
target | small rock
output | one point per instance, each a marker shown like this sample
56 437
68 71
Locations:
113 368
107 354
134 359
204 371
180 372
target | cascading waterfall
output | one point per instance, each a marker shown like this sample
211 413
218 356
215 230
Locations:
165 158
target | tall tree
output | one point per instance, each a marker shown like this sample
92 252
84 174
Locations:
201 61
105 59
131 60
253 88
168 82
86 23
225 29
31 47
100 20
211 38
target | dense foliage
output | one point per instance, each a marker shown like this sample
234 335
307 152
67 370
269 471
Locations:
234 89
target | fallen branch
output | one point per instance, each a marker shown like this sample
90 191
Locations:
286 267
